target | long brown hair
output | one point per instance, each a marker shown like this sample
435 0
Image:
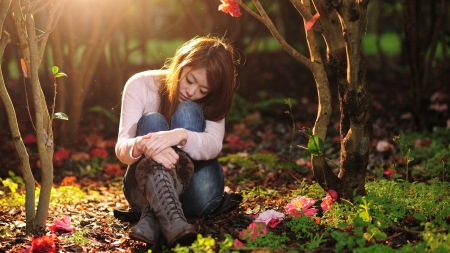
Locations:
218 59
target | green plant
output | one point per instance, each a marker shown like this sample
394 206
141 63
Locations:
344 239
13 182
315 242
405 149
258 160
270 241
303 227
78 238
432 158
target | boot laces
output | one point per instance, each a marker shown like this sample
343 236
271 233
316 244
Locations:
172 207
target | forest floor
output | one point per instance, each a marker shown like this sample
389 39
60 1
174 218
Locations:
88 178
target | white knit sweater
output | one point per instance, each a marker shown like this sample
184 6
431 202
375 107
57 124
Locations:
140 96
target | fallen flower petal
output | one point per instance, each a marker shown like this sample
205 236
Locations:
62 225
273 222
312 21
270 216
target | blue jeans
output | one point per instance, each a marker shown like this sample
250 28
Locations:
205 190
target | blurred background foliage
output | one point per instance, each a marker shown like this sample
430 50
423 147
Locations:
99 44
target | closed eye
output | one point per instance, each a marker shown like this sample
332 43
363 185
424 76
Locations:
189 81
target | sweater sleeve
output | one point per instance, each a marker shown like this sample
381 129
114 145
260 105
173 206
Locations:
139 96
205 145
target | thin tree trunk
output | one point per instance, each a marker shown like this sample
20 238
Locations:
21 150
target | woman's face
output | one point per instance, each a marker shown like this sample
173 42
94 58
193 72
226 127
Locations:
193 84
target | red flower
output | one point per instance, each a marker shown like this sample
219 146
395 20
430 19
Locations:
59 156
44 243
234 143
231 7
29 139
390 172
98 152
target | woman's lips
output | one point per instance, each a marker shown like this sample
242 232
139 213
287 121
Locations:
183 97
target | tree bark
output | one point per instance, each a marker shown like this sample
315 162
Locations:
356 127
81 76
340 23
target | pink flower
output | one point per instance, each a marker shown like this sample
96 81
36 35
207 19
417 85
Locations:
301 205
231 7
99 152
333 194
237 243
62 225
327 202
253 231
270 217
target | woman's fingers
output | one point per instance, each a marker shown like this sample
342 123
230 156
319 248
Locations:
168 158
155 145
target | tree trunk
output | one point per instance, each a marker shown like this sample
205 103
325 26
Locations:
25 27
82 74
341 23
356 127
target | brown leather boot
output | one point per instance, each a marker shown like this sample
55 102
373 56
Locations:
162 188
147 229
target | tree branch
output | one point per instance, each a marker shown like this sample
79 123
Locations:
265 19
21 150
51 24
42 7
4 7
44 133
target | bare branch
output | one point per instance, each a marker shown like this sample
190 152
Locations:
42 7
4 7
18 142
311 38
52 20
302 9
265 19
44 133
254 14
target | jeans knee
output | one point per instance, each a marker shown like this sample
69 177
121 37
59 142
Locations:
189 115
151 122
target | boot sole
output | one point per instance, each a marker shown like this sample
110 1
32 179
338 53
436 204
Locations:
186 238
139 237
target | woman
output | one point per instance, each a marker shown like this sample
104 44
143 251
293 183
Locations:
169 117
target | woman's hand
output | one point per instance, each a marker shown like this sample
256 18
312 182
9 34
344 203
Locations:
154 143
168 158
